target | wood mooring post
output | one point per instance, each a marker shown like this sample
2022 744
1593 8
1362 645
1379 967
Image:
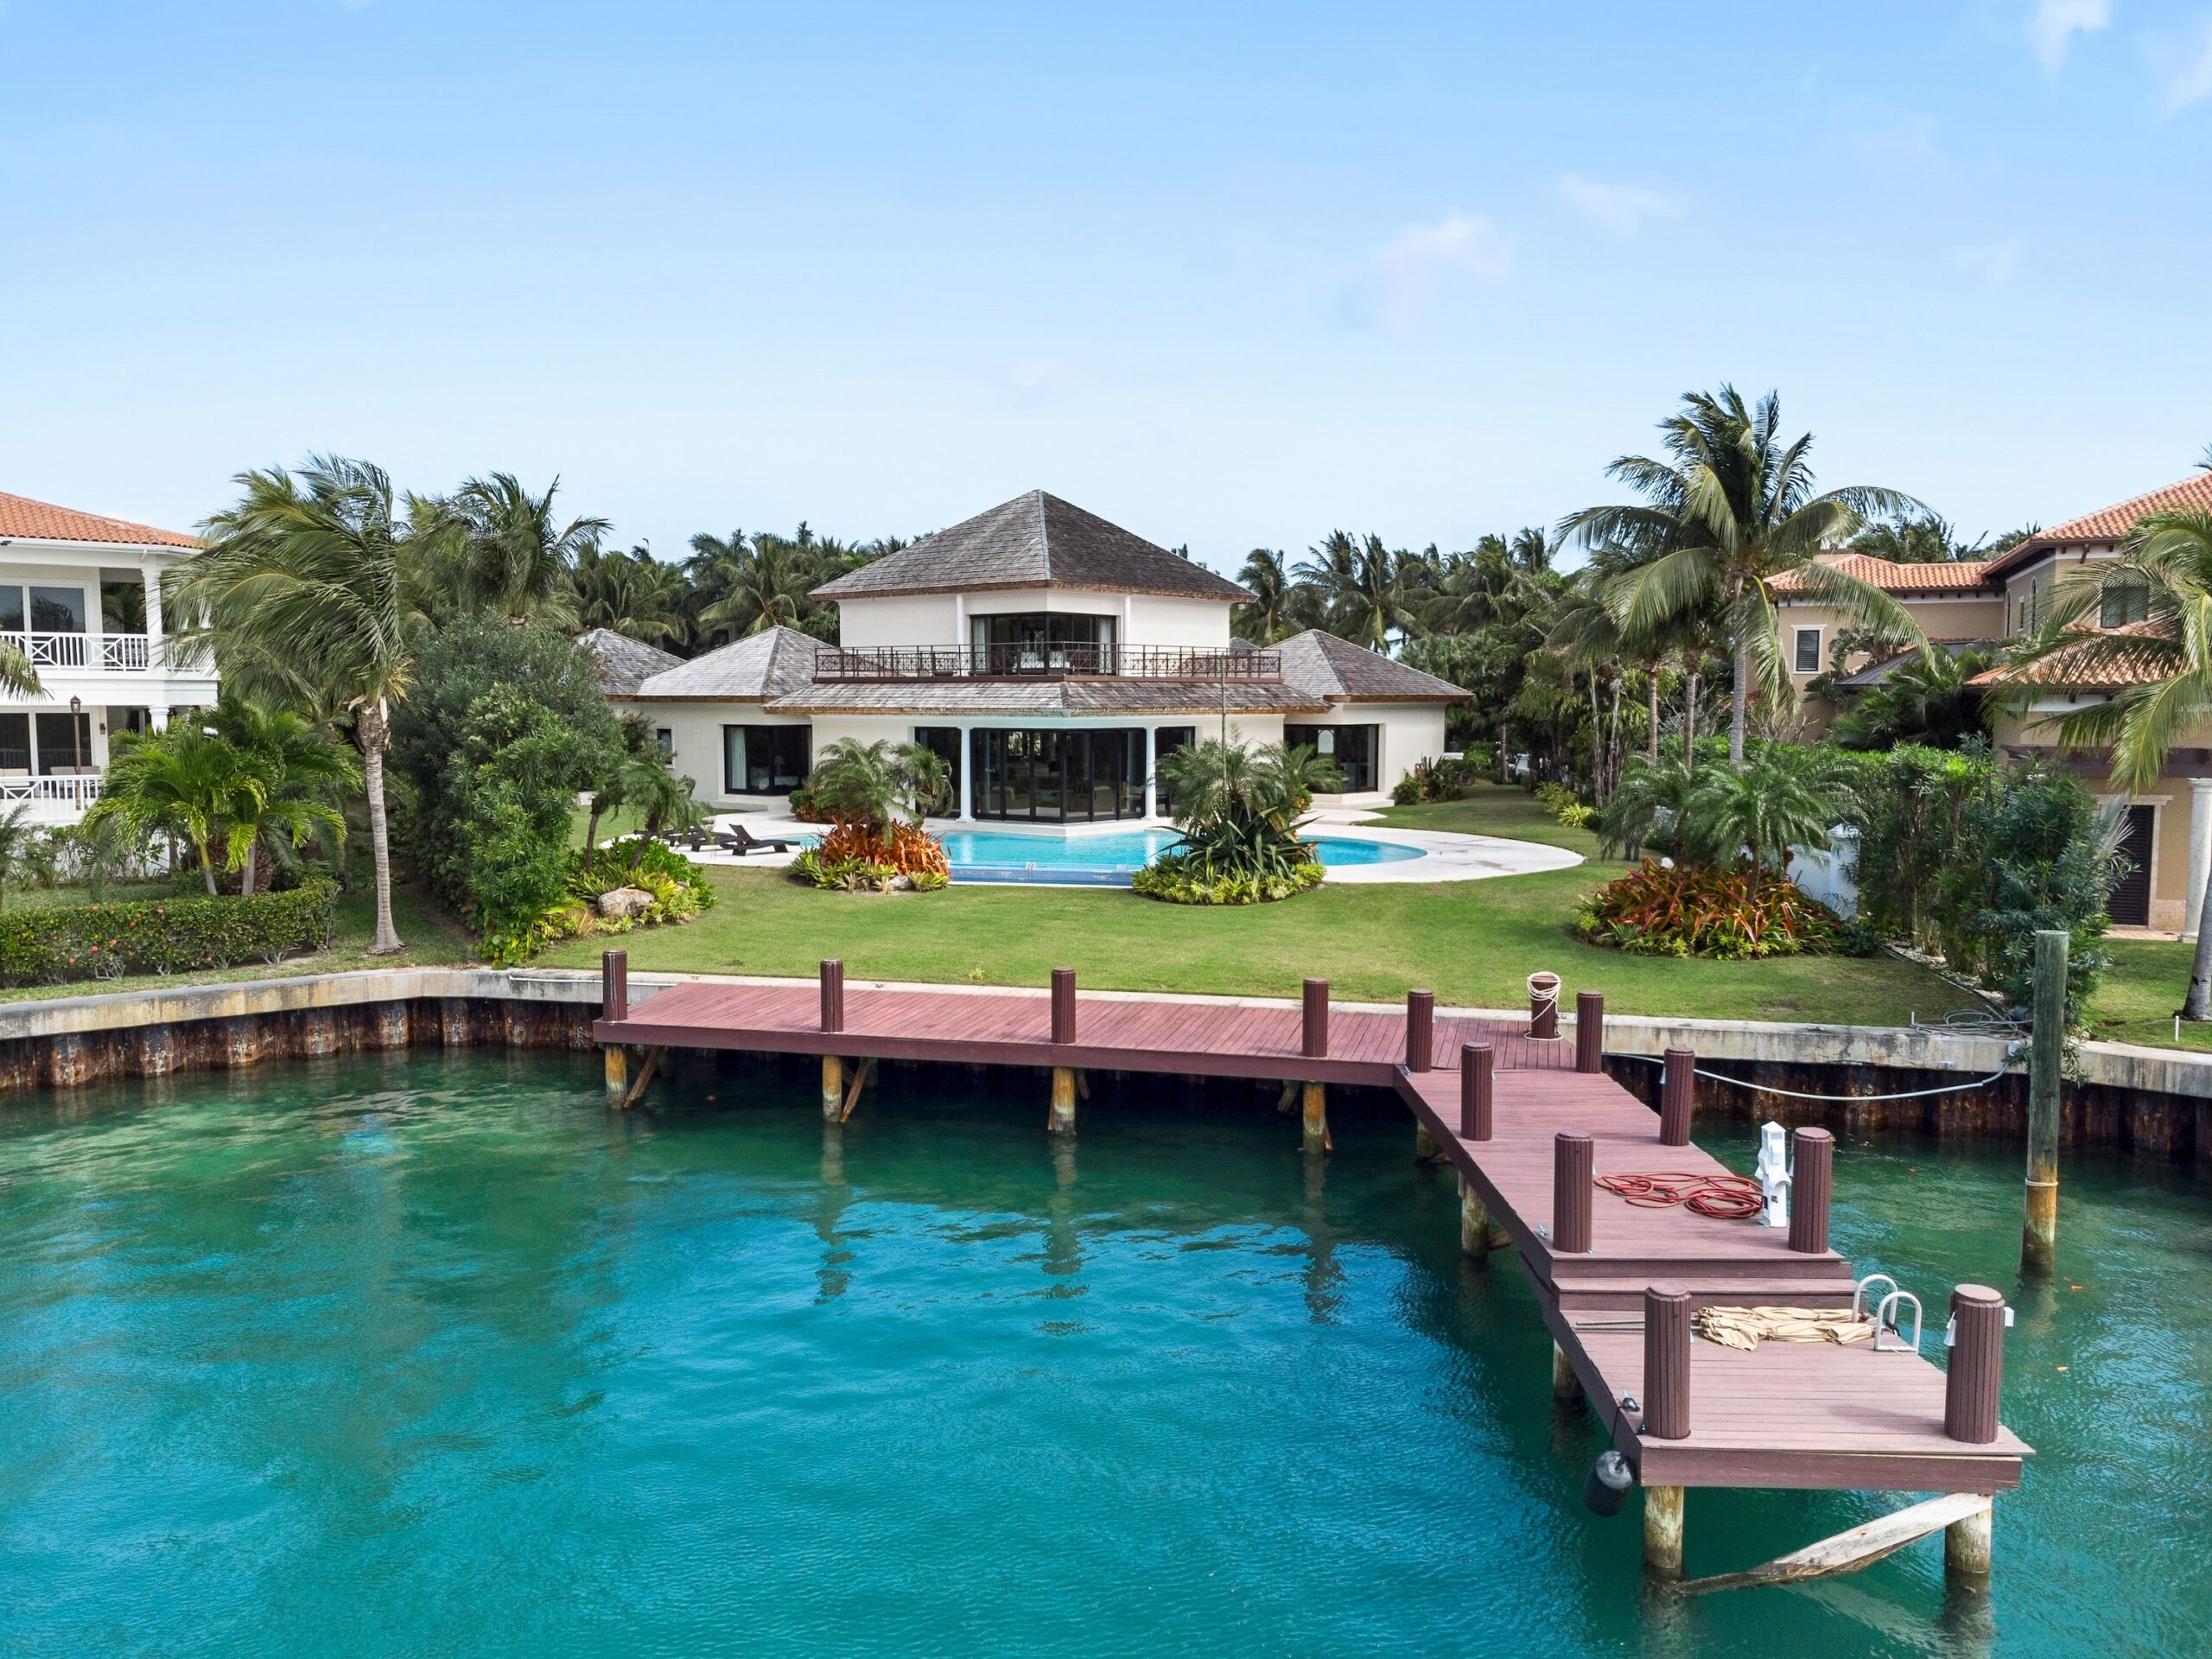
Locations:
1573 1154
1420 1030
1543 1005
614 984
1811 1187
1478 1091
2046 1058
1674 1098
1589 1031
1971 1390
832 995
1316 1019
1064 1005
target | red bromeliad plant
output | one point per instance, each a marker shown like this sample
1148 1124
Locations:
1697 911
901 846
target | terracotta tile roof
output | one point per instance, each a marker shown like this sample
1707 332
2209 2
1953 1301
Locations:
1893 578
1033 541
2087 665
42 521
2111 523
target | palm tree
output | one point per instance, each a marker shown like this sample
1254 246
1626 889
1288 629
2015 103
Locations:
630 593
2163 664
663 801
511 554
310 571
1266 618
17 834
1784 797
184 782
757 585
1732 508
1239 808
1930 700
17 678
873 785
307 777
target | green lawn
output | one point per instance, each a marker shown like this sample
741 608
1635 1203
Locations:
2136 999
1471 942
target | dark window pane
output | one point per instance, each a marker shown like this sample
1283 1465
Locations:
58 610
65 742
11 608
15 743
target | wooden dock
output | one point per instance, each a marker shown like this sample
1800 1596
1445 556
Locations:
1788 1414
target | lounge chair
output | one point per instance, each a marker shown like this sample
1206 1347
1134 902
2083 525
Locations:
739 840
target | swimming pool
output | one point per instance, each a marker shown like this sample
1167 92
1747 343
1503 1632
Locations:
1110 859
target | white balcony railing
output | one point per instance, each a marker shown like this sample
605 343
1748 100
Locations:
70 789
115 653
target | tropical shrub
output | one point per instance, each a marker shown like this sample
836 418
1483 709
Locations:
805 808
1658 910
61 943
1239 811
873 796
902 847
1436 780
1178 878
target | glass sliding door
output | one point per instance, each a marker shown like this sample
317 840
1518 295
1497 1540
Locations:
764 760
1353 747
1053 777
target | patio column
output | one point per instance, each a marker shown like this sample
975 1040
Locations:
967 774
158 716
1151 759
2200 853
152 577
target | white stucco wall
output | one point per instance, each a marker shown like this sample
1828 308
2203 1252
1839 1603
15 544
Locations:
696 738
906 619
1153 620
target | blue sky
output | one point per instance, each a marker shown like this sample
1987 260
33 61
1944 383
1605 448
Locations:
1230 276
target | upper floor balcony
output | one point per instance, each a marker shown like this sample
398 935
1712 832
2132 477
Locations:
1048 660
74 651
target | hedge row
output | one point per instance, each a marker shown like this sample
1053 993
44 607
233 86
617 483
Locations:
162 936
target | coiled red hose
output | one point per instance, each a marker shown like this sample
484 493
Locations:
1717 1197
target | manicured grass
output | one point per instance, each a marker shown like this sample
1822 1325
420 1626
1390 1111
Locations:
2136 999
1494 810
1473 942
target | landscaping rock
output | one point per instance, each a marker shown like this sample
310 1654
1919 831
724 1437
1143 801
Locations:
625 903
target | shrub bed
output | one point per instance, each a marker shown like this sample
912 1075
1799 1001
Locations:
1176 877
864 858
61 943
1696 911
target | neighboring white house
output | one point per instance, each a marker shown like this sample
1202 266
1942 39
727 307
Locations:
1049 656
81 597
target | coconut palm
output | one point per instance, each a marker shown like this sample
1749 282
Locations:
1731 507
1268 617
508 553
757 585
2163 664
310 573
307 777
185 783
630 593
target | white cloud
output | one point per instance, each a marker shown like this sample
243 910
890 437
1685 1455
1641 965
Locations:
1991 261
1621 207
2192 84
1423 255
2055 24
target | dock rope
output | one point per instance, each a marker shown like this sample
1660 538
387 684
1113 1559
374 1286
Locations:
1717 1197
1542 1000
1845 1100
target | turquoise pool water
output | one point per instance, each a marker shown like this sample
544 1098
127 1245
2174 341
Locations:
1110 857
413 1355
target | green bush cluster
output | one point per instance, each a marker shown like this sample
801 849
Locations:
859 875
59 943
1436 780
1179 878
1560 801
1967 858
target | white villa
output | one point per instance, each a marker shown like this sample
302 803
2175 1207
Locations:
1049 656
80 596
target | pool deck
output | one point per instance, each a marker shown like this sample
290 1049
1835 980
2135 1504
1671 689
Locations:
1786 1415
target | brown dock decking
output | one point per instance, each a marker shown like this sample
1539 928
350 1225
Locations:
1788 1415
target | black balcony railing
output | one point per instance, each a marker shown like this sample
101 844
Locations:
1041 663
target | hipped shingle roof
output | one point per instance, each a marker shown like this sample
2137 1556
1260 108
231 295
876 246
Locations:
769 663
1033 541
1333 668
624 663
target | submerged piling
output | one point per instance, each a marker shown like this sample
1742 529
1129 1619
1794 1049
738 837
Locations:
2039 1229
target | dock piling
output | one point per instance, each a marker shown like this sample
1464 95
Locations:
1976 1376
1666 1362
1966 1548
1474 1221
2047 1049
1316 1019
1566 1387
1572 1156
1589 1031
614 984
1477 1090
1064 1005
833 1089
1543 1005
832 995
1812 1186
618 1073
1316 1125
1420 1030
1062 1120
1674 1098
1662 1531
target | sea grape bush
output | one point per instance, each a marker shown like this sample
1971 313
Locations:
61 943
